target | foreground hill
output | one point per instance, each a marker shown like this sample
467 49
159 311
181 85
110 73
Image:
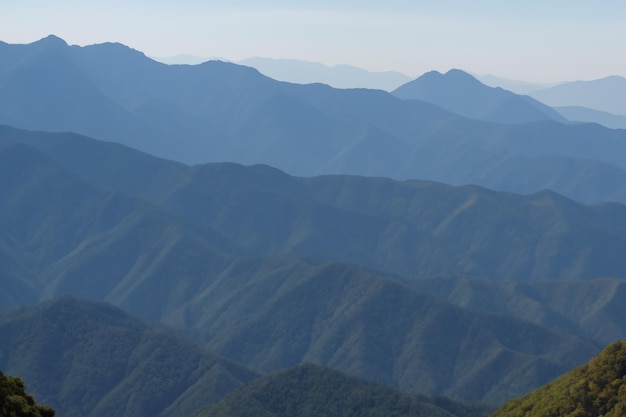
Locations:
461 93
595 389
311 391
218 111
90 359
14 402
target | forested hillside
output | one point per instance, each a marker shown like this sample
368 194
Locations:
596 389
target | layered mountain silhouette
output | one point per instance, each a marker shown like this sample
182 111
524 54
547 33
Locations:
604 94
212 250
587 115
338 76
414 228
91 359
188 252
461 93
594 389
218 111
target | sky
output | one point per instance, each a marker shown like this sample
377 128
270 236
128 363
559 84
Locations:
536 41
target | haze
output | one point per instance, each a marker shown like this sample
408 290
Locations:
532 41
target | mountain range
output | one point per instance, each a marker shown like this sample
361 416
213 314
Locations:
228 254
219 111
428 288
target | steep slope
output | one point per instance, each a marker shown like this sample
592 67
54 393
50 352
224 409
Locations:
310 390
91 359
224 112
461 93
595 389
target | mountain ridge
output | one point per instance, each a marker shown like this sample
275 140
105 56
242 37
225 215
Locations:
224 112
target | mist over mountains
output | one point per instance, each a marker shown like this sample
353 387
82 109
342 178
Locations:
223 112
204 240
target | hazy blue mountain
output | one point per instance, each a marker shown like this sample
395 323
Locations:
605 94
338 76
414 228
516 86
182 59
66 236
219 111
73 237
91 359
311 391
587 115
591 308
461 93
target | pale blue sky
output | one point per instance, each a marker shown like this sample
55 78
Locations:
539 41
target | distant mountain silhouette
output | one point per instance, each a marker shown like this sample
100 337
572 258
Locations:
219 111
461 93
516 86
338 76
605 94
587 115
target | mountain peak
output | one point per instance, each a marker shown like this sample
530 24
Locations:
51 41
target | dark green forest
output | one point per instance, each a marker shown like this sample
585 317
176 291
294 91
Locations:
15 402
